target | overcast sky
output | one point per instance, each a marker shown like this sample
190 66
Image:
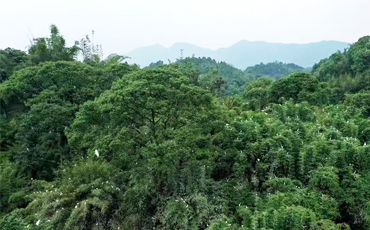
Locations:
121 26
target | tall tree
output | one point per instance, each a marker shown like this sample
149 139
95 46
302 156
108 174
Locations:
52 48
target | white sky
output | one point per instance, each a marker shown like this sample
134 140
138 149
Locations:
121 26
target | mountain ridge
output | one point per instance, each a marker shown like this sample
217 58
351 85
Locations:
241 54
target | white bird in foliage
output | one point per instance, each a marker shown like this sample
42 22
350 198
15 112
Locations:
38 222
96 153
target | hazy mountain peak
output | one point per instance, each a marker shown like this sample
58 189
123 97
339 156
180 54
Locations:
243 53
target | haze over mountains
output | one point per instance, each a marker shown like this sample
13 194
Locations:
243 54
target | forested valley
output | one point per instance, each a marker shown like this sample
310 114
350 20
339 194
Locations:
193 144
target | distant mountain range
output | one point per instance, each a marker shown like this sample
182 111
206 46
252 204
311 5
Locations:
243 54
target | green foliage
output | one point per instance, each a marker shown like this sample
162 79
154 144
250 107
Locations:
325 180
43 101
144 107
155 64
353 61
235 78
359 55
42 140
11 60
359 100
257 93
213 82
298 87
8 129
274 70
13 221
106 145
52 49
69 81
332 67
86 194
11 182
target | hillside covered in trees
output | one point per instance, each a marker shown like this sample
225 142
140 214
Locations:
101 144
274 70
233 79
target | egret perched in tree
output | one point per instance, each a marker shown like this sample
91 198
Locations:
38 222
96 153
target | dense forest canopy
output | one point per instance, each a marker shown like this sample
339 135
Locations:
274 69
209 70
195 144
235 79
